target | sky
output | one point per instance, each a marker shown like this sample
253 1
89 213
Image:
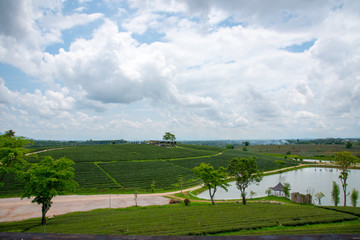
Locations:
200 69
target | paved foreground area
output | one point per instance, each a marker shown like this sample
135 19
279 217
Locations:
14 209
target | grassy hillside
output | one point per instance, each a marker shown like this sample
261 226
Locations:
129 167
316 151
196 219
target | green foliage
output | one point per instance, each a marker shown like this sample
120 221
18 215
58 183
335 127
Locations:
286 189
268 191
152 186
280 163
47 179
348 144
169 137
180 220
354 197
245 171
335 193
344 160
211 178
319 196
230 146
12 154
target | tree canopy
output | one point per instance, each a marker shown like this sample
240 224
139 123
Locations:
169 137
245 172
47 179
211 178
12 154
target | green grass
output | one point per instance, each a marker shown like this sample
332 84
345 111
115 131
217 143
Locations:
196 219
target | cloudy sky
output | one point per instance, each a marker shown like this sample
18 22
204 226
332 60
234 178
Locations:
201 69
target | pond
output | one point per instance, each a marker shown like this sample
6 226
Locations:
306 180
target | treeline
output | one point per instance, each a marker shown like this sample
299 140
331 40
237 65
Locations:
339 141
53 143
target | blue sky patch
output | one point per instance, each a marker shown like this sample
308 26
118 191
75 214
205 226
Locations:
297 48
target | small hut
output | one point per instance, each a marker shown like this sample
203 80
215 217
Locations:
278 189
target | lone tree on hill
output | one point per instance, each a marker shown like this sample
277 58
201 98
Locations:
211 178
12 154
245 172
47 179
169 137
344 160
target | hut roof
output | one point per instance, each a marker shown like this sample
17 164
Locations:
278 187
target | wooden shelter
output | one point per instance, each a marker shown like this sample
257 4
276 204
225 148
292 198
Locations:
278 189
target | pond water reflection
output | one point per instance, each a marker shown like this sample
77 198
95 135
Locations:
305 180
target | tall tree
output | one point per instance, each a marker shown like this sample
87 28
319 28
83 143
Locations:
246 172
344 160
335 193
47 179
12 154
211 178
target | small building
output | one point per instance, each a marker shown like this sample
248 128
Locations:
163 143
278 190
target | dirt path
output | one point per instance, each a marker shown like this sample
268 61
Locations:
15 209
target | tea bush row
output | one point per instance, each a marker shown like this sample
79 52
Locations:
127 152
186 220
141 174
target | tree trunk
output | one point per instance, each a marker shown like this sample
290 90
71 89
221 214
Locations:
212 195
344 189
344 185
45 207
243 196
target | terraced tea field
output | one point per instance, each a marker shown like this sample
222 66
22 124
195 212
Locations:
128 167
321 151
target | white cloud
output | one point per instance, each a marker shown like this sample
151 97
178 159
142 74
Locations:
218 68
5 94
